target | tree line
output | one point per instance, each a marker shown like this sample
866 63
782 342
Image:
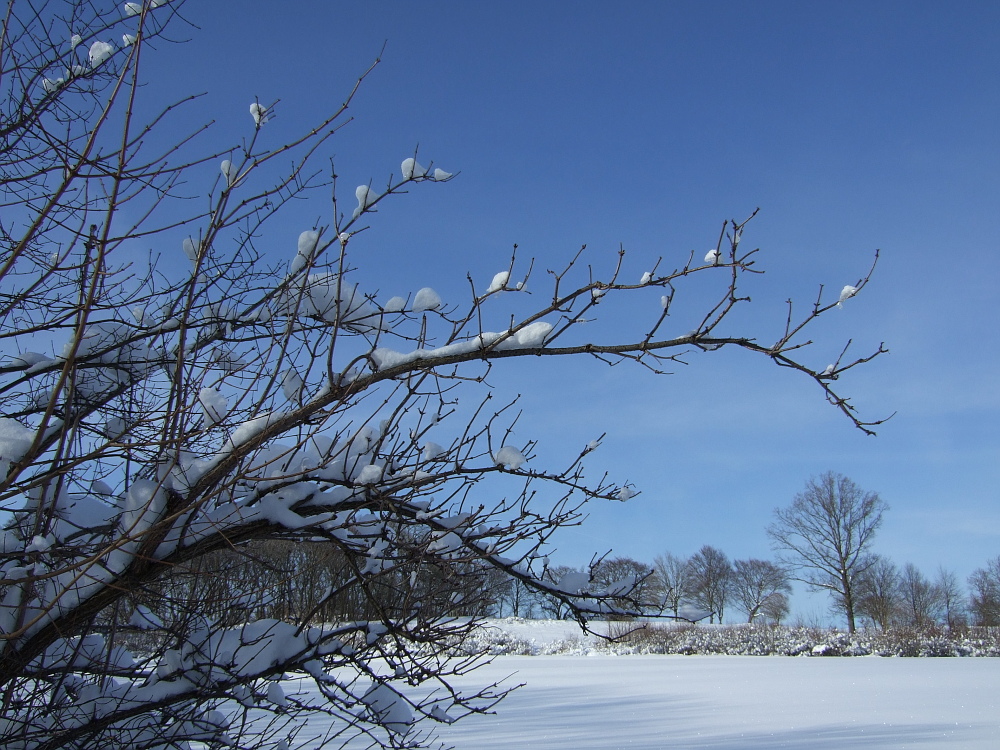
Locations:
823 539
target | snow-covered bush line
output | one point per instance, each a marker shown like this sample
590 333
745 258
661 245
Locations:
748 640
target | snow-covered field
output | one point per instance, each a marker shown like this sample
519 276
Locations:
589 700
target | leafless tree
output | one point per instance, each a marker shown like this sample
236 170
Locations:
624 574
754 582
172 396
952 598
825 535
984 594
775 608
673 581
877 592
920 599
712 579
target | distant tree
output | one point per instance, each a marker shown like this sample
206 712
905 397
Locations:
616 575
984 596
711 581
775 608
877 592
825 535
919 599
953 602
754 582
553 607
673 581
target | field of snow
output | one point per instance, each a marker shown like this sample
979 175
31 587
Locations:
594 701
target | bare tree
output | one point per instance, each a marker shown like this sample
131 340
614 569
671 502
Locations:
624 574
984 594
825 535
712 578
877 592
920 600
754 582
673 581
952 598
170 393
775 608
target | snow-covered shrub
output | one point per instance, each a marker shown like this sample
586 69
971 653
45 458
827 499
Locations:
172 396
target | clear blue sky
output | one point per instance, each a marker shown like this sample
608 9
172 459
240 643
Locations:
853 125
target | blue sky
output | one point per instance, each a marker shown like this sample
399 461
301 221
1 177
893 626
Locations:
853 126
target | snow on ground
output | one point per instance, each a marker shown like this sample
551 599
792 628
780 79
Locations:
737 703
585 700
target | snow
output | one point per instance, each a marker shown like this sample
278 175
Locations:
100 52
730 703
228 172
133 9
499 282
258 113
190 249
426 299
646 278
712 256
366 197
390 709
214 404
144 619
412 170
441 176
128 39
509 457
15 439
308 241
531 336
395 304
586 700
846 293
291 385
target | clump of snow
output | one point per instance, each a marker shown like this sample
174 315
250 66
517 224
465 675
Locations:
412 170
426 299
100 52
144 619
499 282
432 451
366 197
259 114
291 385
597 293
712 256
625 493
308 242
276 695
509 457
128 40
395 304
133 9
532 335
75 41
26 360
15 440
646 278
214 404
846 293
388 708
441 176
228 172
371 474
190 249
